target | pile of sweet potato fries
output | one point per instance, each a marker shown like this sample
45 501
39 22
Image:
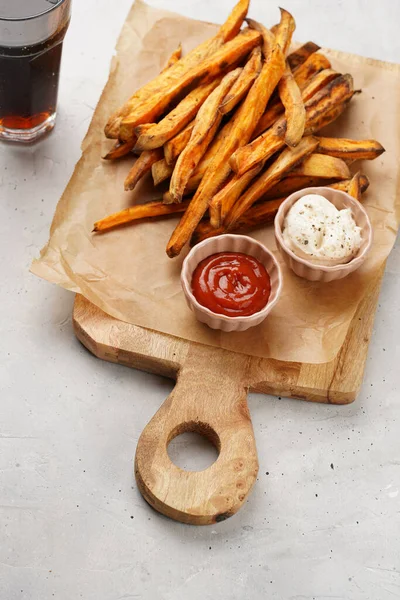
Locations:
231 125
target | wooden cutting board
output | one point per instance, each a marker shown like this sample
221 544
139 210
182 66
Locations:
210 398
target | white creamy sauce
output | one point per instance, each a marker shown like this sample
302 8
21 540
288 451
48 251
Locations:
314 229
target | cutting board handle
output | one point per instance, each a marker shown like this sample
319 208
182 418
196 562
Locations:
209 398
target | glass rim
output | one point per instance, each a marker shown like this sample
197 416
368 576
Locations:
31 18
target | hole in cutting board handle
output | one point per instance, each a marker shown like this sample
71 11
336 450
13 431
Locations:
193 446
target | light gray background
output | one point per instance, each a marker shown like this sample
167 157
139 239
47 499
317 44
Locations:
323 519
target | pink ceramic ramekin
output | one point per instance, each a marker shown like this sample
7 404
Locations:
305 268
230 243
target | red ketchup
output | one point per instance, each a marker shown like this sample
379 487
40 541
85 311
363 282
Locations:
231 284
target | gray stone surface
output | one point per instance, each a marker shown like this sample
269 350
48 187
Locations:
323 520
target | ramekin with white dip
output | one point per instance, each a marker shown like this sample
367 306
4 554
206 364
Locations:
323 234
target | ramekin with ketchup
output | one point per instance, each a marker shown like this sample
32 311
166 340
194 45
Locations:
231 282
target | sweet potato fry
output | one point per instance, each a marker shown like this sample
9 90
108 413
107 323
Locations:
322 165
195 180
143 130
314 64
295 113
350 149
271 115
328 117
177 144
359 180
226 32
167 78
175 56
199 172
254 105
259 214
142 166
232 25
310 77
259 150
244 123
206 124
321 109
161 171
288 185
299 56
176 120
218 142
294 184
268 37
191 187
167 198
243 83
284 31
355 188
225 199
213 149
228 56
314 85
119 149
317 82
139 211
337 92
282 165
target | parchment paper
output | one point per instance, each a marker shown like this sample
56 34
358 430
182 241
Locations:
127 272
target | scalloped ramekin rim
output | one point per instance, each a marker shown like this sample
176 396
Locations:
245 319
357 260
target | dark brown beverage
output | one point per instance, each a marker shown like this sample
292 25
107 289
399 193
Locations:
29 83
29 73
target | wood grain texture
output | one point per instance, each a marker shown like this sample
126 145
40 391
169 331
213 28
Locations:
210 398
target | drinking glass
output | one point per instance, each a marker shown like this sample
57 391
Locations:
31 39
